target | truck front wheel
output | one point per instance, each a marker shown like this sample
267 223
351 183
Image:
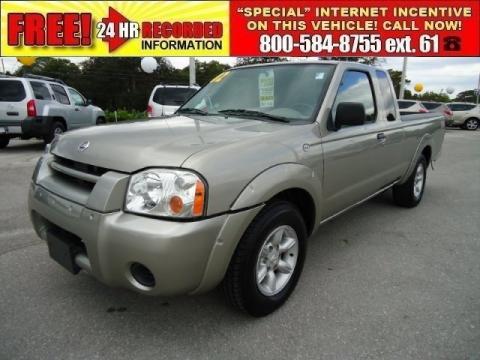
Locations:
268 260
410 193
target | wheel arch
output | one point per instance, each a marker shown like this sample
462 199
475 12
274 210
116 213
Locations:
60 119
293 182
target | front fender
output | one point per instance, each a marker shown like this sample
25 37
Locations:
277 179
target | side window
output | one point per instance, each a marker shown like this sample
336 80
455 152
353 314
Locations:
469 107
40 90
60 94
387 94
77 98
356 87
158 96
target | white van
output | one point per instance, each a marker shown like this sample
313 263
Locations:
166 99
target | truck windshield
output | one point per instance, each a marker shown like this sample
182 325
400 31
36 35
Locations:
288 93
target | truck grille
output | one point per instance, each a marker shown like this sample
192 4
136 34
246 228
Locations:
77 173
78 166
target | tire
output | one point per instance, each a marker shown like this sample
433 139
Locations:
57 128
101 121
471 124
4 142
410 193
242 287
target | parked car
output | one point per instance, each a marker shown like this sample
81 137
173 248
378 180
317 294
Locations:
229 189
438 107
42 107
411 107
465 115
166 99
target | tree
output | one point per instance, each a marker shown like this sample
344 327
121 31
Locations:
430 96
241 61
467 96
52 67
396 76
205 71
363 60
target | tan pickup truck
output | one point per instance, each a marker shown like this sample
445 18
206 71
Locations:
228 190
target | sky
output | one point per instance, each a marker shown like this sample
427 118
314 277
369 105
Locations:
435 73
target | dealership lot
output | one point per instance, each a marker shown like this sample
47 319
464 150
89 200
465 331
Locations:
379 282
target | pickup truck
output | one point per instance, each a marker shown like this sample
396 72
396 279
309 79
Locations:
41 107
228 189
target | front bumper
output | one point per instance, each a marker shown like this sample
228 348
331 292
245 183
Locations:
184 257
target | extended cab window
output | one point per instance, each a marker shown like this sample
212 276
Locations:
11 91
357 87
40 90
77 98
387 94
60 94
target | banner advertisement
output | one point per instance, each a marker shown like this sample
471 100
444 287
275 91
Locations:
241 28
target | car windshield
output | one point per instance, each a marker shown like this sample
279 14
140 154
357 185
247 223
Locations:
286 93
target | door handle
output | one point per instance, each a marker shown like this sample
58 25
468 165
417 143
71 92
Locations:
381 137
77 109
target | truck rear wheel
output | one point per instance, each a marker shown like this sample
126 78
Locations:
4 140
410 193
268 260
57 129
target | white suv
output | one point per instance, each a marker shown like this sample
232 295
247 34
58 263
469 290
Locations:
465 115
41 107
166 99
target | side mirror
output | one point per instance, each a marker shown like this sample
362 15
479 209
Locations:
349 114
89 102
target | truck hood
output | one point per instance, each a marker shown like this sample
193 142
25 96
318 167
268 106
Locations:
155 143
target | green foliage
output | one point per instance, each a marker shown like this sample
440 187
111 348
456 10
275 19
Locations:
396 77
113 83
362 60
125 115
429 96
467 96
242 61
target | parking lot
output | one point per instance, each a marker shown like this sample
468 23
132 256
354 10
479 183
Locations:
379 282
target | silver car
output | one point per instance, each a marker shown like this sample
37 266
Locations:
411 107
465 115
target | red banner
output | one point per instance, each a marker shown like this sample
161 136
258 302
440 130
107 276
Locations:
355 28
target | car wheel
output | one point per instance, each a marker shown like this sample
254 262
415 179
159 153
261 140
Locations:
268 260
471 124
57 129
4 142
411 192
101 121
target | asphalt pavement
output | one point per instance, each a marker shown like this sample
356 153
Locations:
379 282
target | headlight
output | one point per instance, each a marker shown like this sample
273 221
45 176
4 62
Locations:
165 192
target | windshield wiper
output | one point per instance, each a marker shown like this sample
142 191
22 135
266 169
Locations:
192 111
254 113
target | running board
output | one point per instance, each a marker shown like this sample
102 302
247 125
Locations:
359 202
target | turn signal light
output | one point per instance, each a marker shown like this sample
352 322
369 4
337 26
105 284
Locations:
199 200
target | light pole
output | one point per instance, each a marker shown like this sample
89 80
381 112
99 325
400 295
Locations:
402 81
191 71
